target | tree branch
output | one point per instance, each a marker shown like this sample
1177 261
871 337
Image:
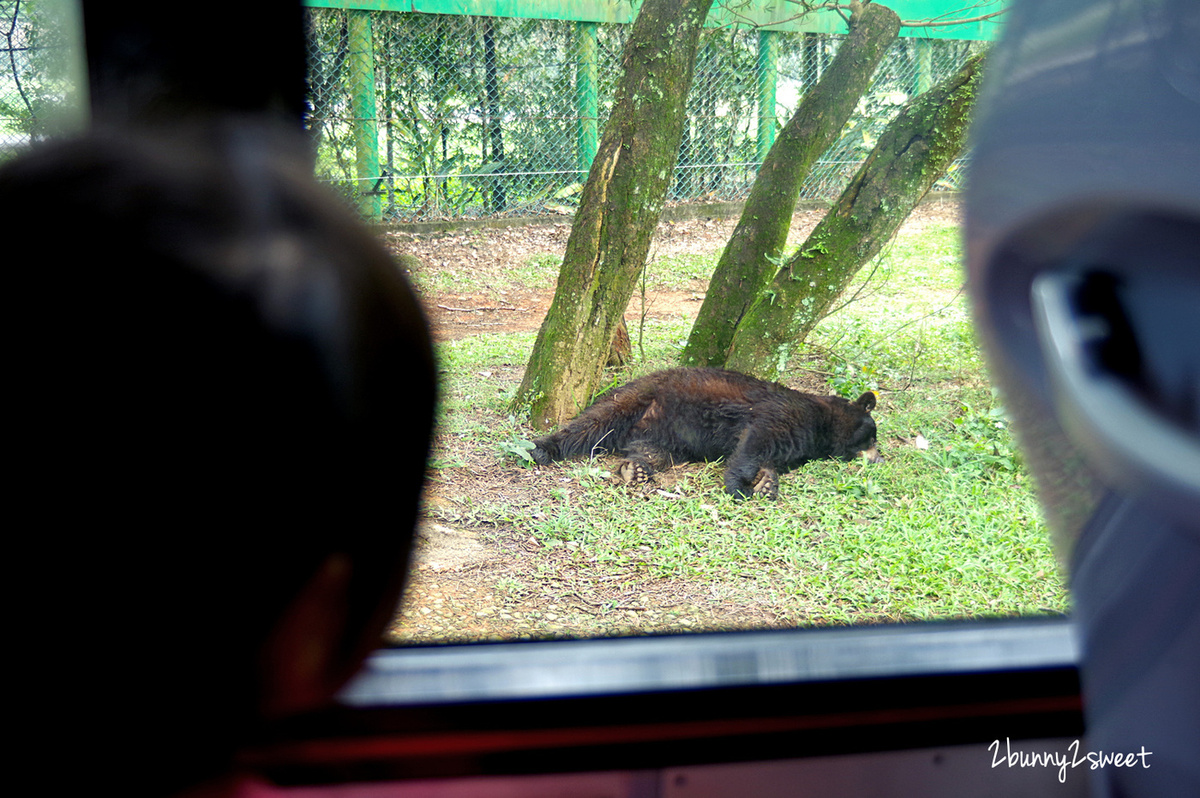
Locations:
930 23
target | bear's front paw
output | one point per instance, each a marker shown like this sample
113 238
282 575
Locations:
766 483
633 472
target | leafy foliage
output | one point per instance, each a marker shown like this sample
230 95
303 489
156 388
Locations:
519 448
983 445
36 88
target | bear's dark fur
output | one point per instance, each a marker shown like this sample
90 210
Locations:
762 429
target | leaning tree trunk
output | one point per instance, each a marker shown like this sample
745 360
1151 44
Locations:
618 211
754 251
911 155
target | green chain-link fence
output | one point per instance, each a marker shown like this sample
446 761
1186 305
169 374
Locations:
486 116
423 117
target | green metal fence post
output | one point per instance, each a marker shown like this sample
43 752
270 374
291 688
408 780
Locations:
923 66
365 113
586 98
768 51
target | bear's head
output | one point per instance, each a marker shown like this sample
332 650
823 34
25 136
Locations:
858 431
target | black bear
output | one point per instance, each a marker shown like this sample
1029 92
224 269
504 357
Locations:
763 429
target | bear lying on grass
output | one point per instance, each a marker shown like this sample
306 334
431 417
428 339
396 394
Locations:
762 429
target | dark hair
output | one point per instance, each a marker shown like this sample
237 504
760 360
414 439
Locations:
221 380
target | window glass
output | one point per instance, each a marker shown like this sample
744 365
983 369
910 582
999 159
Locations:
484 127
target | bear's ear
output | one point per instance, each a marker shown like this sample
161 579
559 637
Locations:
867 401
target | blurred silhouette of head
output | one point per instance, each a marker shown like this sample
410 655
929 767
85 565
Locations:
1083 238
223 396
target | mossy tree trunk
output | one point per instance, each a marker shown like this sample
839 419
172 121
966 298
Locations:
910 156
618 211
752 256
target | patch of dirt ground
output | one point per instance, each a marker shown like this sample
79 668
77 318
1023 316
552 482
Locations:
474 579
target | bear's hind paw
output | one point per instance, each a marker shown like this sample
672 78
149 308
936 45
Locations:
632 472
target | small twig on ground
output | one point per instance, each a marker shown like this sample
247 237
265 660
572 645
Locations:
476 310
